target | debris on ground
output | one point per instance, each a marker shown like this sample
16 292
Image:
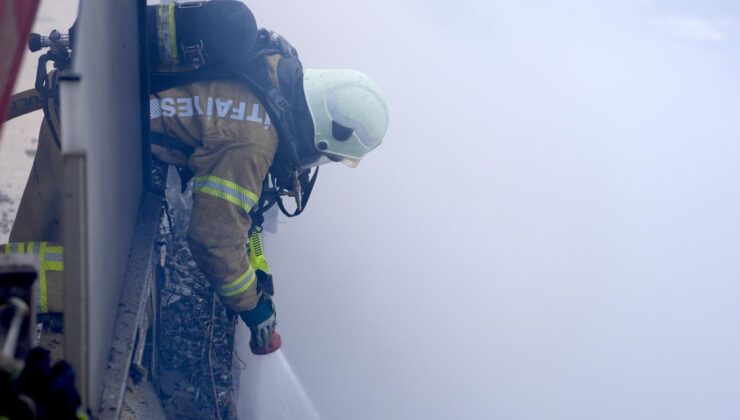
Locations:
139 403
196 334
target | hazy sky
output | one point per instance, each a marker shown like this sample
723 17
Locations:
550 230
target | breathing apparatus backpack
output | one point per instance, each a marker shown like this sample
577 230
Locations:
219 39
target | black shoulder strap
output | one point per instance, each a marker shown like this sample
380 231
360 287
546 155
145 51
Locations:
277 106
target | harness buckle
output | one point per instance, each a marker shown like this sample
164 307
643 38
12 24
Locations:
194 54
297 191
265 283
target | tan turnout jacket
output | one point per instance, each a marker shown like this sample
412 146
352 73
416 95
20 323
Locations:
234 144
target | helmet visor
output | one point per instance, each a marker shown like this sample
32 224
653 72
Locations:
352 163
360 133
321 159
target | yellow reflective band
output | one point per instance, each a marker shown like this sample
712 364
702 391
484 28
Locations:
54 258
225 183
161 32
225 190
51 258
222 195
256 257
173 34
43 292
21 248
238 286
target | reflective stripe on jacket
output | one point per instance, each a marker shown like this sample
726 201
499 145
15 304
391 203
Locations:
50 287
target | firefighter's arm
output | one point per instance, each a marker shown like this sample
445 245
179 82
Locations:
227 184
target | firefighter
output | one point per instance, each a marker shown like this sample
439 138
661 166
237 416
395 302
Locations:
225 137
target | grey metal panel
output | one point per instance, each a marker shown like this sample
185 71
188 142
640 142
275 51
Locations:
105 127
74 211
132 310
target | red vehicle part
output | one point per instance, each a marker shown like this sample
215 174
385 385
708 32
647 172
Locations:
16 19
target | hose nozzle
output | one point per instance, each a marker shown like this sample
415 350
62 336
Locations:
55 39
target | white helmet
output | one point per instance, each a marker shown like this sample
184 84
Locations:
349 113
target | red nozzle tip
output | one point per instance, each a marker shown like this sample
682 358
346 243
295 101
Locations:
275 342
